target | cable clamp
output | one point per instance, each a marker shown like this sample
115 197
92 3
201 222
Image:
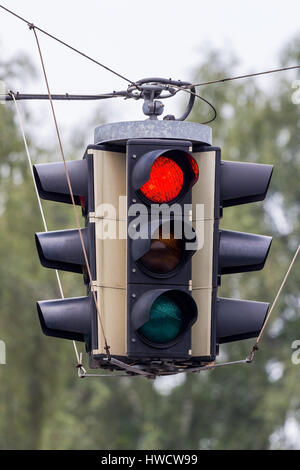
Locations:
81 370
250 357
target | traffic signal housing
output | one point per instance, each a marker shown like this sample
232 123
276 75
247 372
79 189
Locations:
152 210
160 306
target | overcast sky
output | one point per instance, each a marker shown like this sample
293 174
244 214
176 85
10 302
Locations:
138 39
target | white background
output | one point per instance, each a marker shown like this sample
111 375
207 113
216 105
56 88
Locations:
138 39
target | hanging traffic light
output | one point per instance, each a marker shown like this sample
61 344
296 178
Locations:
152 208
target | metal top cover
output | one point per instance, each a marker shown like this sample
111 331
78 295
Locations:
120 132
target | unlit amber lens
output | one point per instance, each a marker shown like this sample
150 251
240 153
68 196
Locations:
164 256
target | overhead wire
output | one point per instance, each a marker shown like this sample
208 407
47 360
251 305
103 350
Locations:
183 87
39 200
221 80
179 88
255 346
239 77
106 346
30 24
62 97
186 88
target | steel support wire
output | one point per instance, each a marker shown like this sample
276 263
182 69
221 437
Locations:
62 97
106 346
31 25
39 201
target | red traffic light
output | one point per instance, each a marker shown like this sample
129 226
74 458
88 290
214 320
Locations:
166 181
164 175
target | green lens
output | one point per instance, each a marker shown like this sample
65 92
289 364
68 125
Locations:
165 321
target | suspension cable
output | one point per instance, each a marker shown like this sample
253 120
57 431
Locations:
255 346
215 114
62 97
30 24
39 199
240 77
106 346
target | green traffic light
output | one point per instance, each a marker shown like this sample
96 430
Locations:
165 321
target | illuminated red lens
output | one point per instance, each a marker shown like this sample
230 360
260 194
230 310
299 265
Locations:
166 181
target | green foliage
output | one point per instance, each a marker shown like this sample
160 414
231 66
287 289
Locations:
42 403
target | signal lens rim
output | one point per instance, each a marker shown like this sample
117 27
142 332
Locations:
185 255
189 311
170 317
165 171
164 251
190 171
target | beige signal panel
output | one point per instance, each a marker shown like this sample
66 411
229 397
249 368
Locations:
203 192
110 184
112 308
202 262
111 253
201 330
110 218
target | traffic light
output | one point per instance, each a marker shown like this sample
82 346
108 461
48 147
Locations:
160 306
152 195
